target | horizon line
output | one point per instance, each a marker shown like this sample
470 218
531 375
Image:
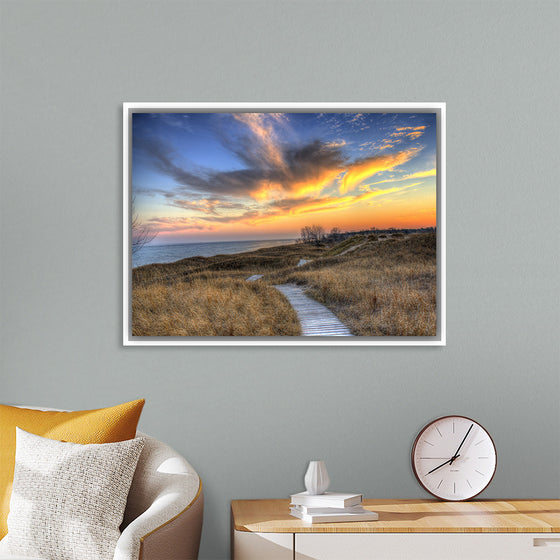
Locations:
288 238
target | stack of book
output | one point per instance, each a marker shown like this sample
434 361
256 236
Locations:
330 507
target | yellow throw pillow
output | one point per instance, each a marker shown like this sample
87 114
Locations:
104 425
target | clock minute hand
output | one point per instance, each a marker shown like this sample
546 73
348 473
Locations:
443 464
461 445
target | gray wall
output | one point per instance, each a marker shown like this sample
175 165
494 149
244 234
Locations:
250 418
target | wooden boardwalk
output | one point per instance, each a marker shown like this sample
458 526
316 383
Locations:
315 319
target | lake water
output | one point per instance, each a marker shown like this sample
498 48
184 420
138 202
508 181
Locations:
170 253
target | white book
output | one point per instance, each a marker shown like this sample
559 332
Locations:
312 510
364 515
328 499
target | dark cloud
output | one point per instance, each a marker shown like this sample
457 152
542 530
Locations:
208 206
296 165
287 204
309 162
247 215
161 155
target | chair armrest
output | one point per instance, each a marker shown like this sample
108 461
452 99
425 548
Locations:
163 516
167 530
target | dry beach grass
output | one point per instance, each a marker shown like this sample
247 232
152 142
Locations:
382 286
380 289
211 306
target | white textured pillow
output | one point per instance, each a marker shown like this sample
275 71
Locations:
68 499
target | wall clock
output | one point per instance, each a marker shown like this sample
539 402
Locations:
454 458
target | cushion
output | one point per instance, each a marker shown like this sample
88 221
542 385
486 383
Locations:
104 425
68 499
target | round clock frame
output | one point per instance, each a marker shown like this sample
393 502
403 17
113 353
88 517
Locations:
418 475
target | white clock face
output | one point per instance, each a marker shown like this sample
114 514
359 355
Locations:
454 458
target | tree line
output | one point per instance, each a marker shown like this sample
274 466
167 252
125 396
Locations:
317 234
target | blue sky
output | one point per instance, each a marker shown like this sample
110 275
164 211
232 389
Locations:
228 176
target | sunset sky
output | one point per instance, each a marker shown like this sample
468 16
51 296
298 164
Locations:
237 176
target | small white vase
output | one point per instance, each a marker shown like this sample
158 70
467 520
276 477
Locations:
316 478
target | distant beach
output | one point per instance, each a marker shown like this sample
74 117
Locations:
170 253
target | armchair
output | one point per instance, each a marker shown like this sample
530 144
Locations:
163 516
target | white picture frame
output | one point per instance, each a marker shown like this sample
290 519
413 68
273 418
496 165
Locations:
439 108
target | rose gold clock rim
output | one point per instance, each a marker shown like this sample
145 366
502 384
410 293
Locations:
423 430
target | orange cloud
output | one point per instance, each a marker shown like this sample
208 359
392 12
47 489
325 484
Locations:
306 206
273 190
421 174
410 132
315 186
322 204
418 175
332 203
267 190
169 226
414 135
288 214
371 166
385 145
410 128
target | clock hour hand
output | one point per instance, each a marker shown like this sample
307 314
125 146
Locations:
461 445
443 464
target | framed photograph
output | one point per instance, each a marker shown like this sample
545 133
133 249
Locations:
284 224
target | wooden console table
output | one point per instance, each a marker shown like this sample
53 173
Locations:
406 529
